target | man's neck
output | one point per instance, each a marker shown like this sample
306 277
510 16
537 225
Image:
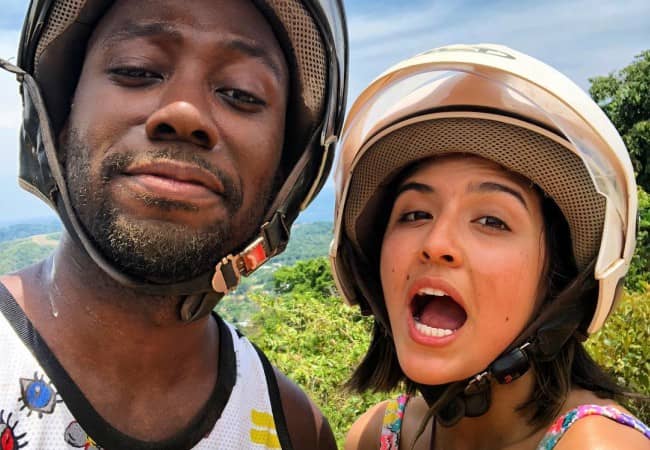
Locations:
115 342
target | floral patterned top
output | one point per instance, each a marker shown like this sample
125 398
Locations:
392 423
562 424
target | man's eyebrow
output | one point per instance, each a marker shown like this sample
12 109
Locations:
414 186
255 51
490 186
132 30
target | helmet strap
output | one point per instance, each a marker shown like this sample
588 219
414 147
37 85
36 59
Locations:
472 398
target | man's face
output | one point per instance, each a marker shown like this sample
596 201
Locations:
175 135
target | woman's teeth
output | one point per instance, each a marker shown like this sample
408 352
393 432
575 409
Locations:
432 291
430 331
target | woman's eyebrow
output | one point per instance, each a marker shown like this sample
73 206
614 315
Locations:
491 186
414 186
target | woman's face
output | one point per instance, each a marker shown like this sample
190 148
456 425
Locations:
461 262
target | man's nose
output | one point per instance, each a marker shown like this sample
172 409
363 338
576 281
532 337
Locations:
183 118
441 244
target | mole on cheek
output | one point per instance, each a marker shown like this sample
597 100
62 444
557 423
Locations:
507 318
408 277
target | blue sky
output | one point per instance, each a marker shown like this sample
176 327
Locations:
580 38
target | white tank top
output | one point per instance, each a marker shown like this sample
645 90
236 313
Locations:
36 413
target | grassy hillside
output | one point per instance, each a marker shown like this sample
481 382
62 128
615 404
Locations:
20 253
291 310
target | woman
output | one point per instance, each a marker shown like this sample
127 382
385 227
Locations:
485 216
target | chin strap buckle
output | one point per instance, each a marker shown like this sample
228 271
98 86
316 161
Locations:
272 240
505 369
229 271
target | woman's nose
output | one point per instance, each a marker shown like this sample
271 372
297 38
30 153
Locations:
441 246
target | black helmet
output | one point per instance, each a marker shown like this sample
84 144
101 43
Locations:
313 36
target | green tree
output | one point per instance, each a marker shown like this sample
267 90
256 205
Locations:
621 347
312 275
638 278
314 338
625 98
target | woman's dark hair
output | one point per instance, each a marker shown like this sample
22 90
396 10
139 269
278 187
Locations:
571 366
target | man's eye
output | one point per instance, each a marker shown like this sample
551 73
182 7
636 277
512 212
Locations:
413 216
134 74
240 97
493 222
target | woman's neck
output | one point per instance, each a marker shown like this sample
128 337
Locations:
503 426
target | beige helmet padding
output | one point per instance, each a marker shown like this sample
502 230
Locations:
519 146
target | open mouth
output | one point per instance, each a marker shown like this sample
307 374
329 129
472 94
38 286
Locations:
436 314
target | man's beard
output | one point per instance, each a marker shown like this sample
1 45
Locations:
159 251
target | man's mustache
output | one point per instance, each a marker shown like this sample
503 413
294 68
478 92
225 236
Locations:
117 164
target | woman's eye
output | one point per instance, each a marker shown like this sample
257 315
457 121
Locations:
493 222
240 97
413 216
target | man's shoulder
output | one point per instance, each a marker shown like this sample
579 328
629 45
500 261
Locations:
307 426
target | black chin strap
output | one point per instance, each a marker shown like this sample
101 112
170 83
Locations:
542 341
473 397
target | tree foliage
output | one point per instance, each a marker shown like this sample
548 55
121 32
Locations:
317 341
622 347
313 275
314 338
23 230
20 253
638 277
625 98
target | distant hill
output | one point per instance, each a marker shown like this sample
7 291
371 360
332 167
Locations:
20 253
18 230
25 244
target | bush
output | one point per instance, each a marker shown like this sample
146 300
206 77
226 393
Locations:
316 341
623 348
639 275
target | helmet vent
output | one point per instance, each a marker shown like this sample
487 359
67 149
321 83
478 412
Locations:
307 44
63 14
549 164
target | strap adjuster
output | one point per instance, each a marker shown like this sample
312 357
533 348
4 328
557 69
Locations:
271 241
229 271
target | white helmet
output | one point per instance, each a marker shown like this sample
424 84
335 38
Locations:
502 105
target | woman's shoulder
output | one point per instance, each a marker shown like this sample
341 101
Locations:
391 421
599 424
366 430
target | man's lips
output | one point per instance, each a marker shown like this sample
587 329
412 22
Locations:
175 178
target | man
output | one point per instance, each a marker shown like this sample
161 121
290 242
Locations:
177 141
